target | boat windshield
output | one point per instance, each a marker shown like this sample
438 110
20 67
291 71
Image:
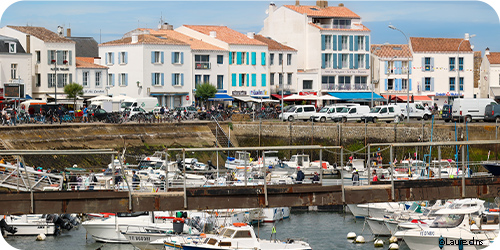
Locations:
243 234
447 221
375 110
228 233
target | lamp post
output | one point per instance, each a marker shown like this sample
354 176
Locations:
408 71
466 38
55 76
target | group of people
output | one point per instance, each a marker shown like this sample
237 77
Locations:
78 181
301 176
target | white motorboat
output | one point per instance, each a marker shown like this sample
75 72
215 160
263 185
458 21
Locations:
377 226
241 161
275 214
35 224
308 167
242 236
458 223
373 209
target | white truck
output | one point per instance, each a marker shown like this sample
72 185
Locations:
417 110
387 113
109 106
147 103
470 108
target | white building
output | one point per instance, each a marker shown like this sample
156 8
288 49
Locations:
15 65
247 59
282 67
489 84
143 65
51 54
91 76
333 46
443 68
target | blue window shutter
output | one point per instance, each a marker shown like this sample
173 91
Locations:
432 84
233 80
230 57
173 79
322 61
339 45
112 57
334 61
367 63
238 58
323 45
355 43
173 57
422 85
254 80
351 43
367 43
152 57
423 63
162 79
119 79
263 58
400 67
152 79
356 61
385 84
340 61
248 57
182 79
400 83
105 55
254 58
70 59
410 84
432 63
119 57
126 57
264 80
113 80
351 57
386 63
410 67
126 80
239 80
50 61
248 80
334 40
59 55
182 57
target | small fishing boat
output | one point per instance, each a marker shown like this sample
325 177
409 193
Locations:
492 167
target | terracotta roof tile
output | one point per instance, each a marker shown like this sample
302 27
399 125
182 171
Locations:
391 50
425 44
42 34
225 34
272 44
88 63
360 27
494 57
145 39
315 11
196 44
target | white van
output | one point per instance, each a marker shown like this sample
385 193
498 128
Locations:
298 112
470 108
352 113
147 103
417 110
385 113
327 112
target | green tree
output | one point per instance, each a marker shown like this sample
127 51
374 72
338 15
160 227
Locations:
73 90
205 91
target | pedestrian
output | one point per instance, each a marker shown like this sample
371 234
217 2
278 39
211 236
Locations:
135 180
300 175
14 117
60 114
31 112
73 180
93 179
375 177
85 118
118 179
315 178
355 177
42 115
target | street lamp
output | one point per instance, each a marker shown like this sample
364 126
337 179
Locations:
466 38
408 71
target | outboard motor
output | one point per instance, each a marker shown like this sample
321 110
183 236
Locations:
5 228
210 165
179 165
70 219
59 222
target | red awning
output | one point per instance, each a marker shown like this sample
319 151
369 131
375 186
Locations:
423 98
279 96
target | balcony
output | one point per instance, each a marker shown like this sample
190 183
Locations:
344 87
360 86
327 86
202 65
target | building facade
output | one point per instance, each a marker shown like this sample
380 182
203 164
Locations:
489 86
15 65
92 76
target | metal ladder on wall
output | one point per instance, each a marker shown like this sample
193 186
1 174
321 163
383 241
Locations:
222 139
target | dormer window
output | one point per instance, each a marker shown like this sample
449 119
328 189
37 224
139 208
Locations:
12 48
342 24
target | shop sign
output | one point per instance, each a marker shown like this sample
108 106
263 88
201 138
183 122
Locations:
258 92
448 94
94 91
238 93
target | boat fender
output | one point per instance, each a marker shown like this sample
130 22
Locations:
351 235
393 246
360 239
441 242
41 237
460 244
378 243
393 239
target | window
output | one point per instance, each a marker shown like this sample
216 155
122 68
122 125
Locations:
62 80
12 47
461 82
452 63
13 71
242 234
280 79
328 61
156 79
85 81
427 64
65 56
288 59
405 66
98 78
220 82
328 82
271 78
328 42
110 80
404 84
202 61
51 80
206 79
220 59
361 61
307 84
280 59
361 43
197 80
427 84
156 57
38 80
461 63
242 79
345 61
345 43
123 57
447 221
452 83
109 57
360 83
176 57
342 24
38 56
344 82
52 55
271 58
243 55
123 79
390 84
289 78
233 57
390 67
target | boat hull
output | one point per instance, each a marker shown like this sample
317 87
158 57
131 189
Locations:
24 229
378 227
493 168
358 212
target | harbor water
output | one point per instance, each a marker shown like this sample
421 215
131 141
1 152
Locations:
322 230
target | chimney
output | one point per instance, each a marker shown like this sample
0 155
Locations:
135 38
213 34
297 3
487 51
28 44
68 32
166 26
322 4
97 60
250 34
272 8
341 5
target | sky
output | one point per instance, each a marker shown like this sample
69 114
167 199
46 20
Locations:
109 20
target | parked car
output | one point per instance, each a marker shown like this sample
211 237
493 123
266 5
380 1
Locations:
470 109
352 113
417 110
99 114
327 112
446 113
492 113
298 112
385 113
134 111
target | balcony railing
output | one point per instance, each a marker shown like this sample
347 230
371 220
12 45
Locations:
360 86
328 86
202 65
